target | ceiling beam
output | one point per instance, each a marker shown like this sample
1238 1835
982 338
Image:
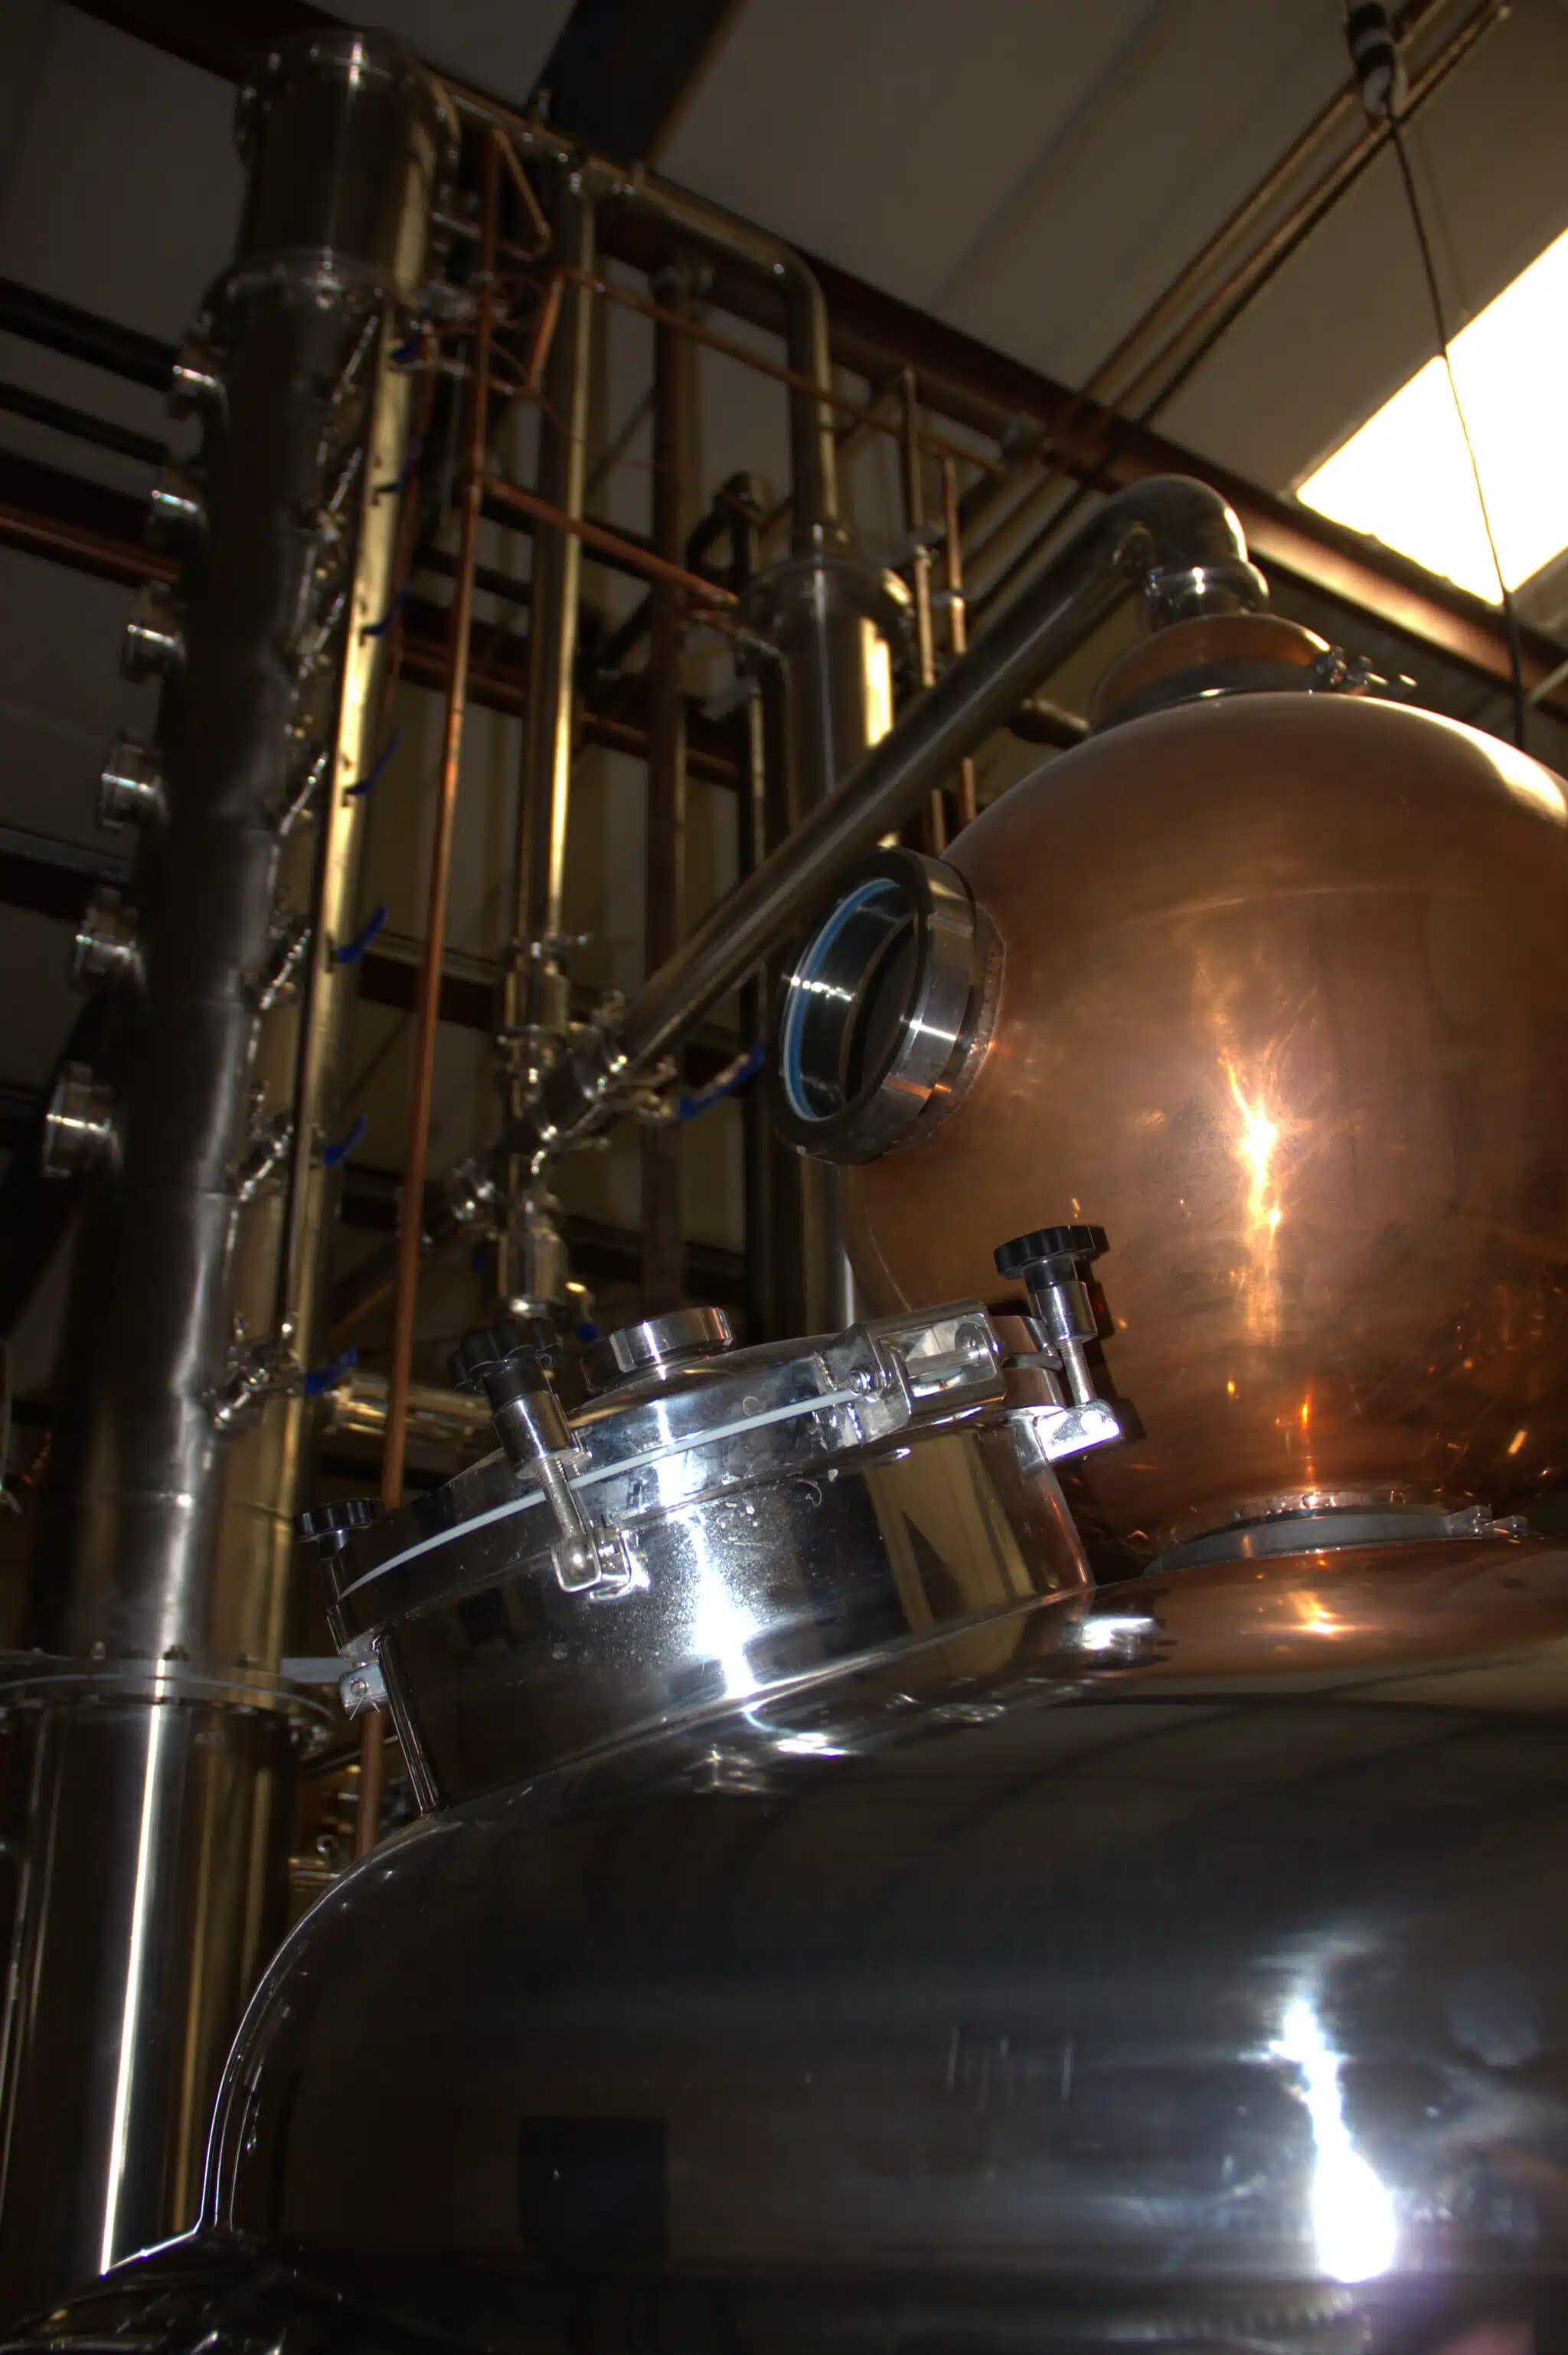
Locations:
621 71
972 383
231 39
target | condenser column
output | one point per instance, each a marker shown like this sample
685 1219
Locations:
153 1811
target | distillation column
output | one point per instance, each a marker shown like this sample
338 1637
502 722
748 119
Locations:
151 1802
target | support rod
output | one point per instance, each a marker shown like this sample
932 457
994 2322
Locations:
536 986
675 439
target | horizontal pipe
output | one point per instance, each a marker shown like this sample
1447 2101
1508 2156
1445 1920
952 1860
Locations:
60 327
82 425
614 543
1169 525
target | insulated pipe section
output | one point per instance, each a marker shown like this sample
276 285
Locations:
1173 538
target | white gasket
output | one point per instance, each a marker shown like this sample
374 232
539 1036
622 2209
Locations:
790 1413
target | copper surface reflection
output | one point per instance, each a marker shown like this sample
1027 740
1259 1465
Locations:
1285 1009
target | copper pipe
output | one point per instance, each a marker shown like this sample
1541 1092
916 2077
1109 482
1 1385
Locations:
965 801
544 336
863 412
410 1212
594 535
531 206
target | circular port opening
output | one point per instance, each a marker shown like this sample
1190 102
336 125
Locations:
885 1010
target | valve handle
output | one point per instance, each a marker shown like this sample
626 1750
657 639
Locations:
331 1526
521 1346
1069 1245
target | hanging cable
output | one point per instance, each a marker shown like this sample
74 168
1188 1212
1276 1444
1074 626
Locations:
1379 70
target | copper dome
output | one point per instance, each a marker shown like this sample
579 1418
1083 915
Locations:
1284 1007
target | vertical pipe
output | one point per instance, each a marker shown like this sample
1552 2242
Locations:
963 800
427 1001
758 1146
927 830
536 986
154 1785
674 443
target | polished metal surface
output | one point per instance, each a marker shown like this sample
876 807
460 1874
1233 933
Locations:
80 1129
1295 1040
772 1512
835 620
358 1406
164 1529
131 788
1178 1966
885 1011
1150 529
657 1347
104 947
149 1838
346 138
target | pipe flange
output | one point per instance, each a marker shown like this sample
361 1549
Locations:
886 1011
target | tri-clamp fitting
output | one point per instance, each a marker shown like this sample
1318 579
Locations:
1061 1321
509 1364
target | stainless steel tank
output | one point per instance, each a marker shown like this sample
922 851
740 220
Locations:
1178 1966
738 1520
834 1925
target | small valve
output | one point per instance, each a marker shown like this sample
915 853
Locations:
509 1362
196 381
79 1127
1061 1320
154 643
131 788
330 1527
176 507
105 946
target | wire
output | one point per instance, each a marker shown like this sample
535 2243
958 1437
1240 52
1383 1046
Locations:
1429 267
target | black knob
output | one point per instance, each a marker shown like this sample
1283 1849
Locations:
1066 1245
331 1526
520 1345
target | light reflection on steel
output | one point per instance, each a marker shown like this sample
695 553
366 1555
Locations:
411 1216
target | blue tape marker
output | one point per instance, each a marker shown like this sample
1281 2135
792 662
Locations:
379 629
376 770
331 1154
328 1376
352 951
691 1107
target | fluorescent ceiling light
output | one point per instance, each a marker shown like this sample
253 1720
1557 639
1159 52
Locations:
1405 476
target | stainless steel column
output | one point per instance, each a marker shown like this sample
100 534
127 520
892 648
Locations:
536 990
833 618
154 1769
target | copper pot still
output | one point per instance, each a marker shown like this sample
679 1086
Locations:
1273 986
